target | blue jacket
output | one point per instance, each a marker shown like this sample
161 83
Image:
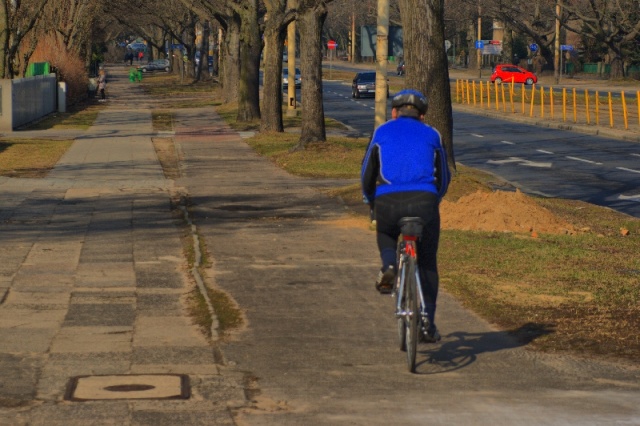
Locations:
404 155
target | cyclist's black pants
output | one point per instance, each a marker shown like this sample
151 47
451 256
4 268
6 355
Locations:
389 209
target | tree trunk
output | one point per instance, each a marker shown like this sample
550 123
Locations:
310 22
4 38
617 68
250 48
472 57
274 33
230 64
423 23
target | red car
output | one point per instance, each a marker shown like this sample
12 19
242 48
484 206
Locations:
512 73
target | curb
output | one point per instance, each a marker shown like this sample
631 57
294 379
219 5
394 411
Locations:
592 130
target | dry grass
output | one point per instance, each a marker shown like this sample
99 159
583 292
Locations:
30 158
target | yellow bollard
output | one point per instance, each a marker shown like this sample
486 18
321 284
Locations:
564 104
533 96
541 102
481 84
597 109
638 99
610 111
511 90
473 83
586 106
488 94
575 106
624 111
457 91
524 92
495 86
468 94
551 101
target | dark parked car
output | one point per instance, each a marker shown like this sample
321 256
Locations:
285 78
511 73
400 68
364 84
156 65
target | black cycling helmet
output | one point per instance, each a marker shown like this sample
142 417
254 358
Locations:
410 97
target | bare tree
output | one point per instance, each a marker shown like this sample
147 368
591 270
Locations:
17 20
614 24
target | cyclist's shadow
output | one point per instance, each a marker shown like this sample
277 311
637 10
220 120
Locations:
460 349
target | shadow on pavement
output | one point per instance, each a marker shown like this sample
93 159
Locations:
461 349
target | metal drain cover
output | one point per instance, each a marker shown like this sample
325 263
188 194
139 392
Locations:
144 386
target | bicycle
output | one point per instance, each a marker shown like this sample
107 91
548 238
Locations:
408 290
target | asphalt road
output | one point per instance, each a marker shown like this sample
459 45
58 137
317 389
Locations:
546 161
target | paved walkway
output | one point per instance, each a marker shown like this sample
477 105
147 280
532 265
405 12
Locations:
93 284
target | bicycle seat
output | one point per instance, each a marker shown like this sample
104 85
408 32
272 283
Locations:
411 226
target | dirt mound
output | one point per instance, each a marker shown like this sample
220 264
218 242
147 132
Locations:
500 211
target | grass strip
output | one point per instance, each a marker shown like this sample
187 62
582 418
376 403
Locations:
30 158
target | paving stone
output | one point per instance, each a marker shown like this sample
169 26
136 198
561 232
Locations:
92 340
164 418
16 318
106 274
107 413
160 276
103 296
160 304
173 355
166 331
37 340
100 314
19 376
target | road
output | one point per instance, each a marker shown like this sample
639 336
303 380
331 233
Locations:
546 161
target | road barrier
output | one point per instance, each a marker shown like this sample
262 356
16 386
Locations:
568 105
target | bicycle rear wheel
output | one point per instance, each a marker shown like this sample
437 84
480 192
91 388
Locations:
402 307
412 315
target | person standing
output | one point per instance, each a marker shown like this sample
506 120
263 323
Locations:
102 85
405 174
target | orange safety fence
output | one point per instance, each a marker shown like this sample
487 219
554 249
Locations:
581 108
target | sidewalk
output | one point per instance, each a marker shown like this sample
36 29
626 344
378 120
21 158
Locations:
93 285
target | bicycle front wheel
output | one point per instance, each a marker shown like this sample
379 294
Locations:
411 314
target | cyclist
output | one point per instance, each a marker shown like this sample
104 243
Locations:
405 173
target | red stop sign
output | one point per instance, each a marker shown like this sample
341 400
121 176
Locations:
331 44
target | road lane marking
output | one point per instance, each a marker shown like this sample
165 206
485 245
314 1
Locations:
508 143
629 197
477 135
583 160
636 155
544 151
628 170
521 162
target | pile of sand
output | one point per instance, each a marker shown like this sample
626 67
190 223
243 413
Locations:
500 211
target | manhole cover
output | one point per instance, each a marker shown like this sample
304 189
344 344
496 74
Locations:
145 386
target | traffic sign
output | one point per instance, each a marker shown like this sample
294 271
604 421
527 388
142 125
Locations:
479 44
332 44
566 47
533 47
